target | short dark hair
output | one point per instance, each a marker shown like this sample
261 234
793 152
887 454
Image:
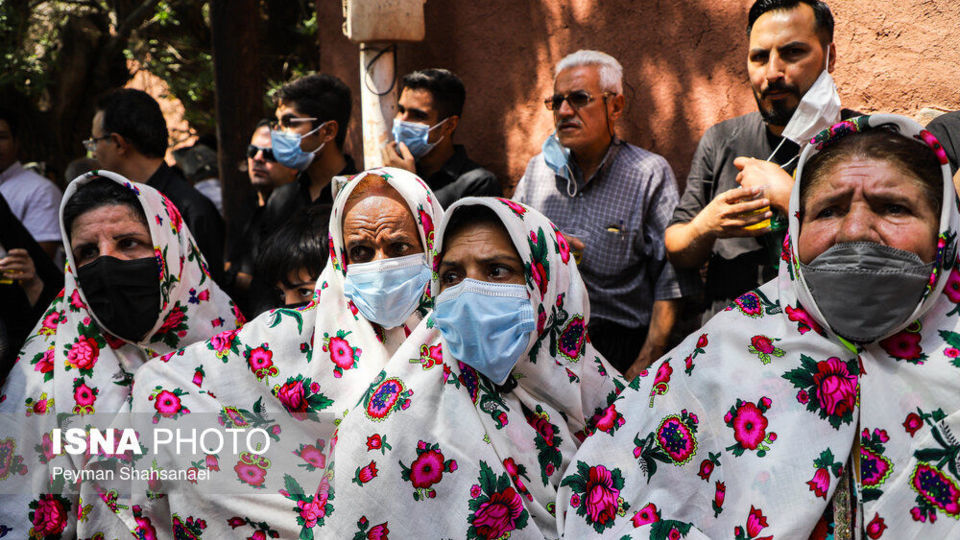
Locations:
821 13
96 193
135 116
321 96
445 87
263 122
299 244
10 118
881 144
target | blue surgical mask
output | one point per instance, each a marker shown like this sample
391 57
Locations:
415 136
486 325
286 148
387 291
557 157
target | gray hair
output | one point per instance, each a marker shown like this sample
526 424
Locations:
611 72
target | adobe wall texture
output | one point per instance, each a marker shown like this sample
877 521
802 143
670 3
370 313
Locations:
684 65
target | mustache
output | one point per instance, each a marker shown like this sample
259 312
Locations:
780 86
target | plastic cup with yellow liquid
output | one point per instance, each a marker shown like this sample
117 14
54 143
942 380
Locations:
775 222
4 280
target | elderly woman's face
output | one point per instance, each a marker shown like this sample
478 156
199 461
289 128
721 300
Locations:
379 225
868 201
481 251
115 230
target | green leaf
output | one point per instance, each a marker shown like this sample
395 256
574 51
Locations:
292 487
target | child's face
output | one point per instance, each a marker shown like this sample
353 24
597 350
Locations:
298 288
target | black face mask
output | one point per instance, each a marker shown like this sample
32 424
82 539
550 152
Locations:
124 295
296 305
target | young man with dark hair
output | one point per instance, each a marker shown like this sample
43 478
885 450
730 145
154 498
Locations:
129 137
34 200
717 220
311 125
428 113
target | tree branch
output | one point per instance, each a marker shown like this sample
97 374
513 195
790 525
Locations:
135 18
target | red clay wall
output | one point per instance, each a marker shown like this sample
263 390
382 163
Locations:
684 64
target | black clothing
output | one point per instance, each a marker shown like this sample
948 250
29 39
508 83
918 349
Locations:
286 200
736 265
200 215
461 177
16 314
946 128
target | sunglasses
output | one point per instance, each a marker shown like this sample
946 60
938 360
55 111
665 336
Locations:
577 99
253 150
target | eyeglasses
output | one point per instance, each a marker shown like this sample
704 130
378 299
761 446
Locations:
577 99
91 144
253 149
288 122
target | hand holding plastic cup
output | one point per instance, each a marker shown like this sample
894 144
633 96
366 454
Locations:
576 238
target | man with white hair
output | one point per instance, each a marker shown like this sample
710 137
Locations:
612 201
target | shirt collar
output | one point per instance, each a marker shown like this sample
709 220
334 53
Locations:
615 144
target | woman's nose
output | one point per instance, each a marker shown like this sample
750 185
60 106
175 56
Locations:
858 225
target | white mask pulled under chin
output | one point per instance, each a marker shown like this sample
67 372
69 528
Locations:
818 109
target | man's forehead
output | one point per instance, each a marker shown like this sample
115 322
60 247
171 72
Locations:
287 108
417 98
261 136
778 27
578 78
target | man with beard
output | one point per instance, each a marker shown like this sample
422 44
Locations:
719 223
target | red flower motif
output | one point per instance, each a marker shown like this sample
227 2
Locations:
756 522
903 345
496 517
647 514
167 403
378 532
427 469
83 353
173 320
49 518
706 469
368 473
702 341
291 395
820 483
762 344
913 423
952 290
749 426
876 527
601 496
374 442
836 387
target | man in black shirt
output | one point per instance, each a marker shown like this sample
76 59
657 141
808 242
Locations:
791 42
428 113
129 137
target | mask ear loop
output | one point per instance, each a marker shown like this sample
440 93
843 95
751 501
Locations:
314 130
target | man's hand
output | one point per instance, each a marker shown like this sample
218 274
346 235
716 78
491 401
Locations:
19 266
643 361
398 155
776 182
729 213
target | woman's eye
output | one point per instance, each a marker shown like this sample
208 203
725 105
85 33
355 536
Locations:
305 292
400 248
85 254
449 278
897 209
828 212
360 254
499 271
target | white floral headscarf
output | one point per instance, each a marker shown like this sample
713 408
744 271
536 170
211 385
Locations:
312 361
746 428
71 366
434 449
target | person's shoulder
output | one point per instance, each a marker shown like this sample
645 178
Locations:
948 121
733 127
637 157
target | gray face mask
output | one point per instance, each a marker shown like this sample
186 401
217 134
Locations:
865 290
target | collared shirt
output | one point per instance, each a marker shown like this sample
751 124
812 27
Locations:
620 213
461 177
286 200
35 201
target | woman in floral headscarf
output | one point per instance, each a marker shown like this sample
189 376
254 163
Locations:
111 319
824 402
477 453
295 372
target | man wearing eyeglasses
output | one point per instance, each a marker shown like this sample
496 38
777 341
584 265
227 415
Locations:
612 201
262 167
307 135
129 137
